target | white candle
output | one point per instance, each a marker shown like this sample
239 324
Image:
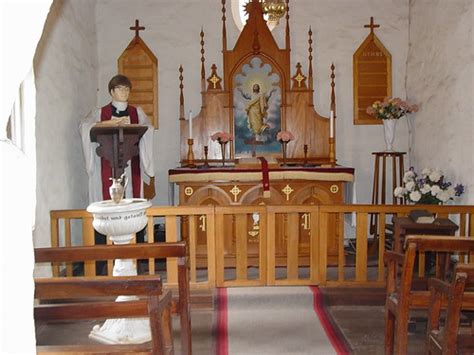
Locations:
190 122
331 125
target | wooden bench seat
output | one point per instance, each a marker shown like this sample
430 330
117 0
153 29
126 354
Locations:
154 301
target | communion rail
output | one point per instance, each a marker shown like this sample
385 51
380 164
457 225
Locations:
240 252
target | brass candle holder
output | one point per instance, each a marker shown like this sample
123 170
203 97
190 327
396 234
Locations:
332 151
190 153
206 152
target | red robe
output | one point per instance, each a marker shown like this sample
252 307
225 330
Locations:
105 115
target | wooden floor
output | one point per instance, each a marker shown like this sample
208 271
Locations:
359 314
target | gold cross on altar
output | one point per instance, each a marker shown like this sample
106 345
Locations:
299 78
214 80
235 191
372 25
287 190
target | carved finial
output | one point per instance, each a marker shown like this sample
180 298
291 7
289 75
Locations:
372 25
181 95
299 80
333 93
137 28
287 34
224 32
203 70
310 57
214 81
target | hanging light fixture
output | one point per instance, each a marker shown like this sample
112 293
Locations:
275 9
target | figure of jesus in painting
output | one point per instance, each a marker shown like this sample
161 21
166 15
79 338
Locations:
256 109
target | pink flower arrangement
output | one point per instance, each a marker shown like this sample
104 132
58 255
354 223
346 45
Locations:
285 136
391 109
222 137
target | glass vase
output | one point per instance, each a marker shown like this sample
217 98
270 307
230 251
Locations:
389 133
223 152
283 151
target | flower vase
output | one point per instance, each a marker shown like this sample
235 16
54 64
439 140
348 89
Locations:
389 126
283 150
223 152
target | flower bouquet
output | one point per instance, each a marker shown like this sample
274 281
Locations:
428 188
389 111
222 138
284 137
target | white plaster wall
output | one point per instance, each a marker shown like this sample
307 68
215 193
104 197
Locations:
66 82
440 77
172 33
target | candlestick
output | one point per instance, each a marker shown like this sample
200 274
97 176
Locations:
206 151
305 150
190 153
190 122
331 125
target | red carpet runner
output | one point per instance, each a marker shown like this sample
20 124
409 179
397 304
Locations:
288 338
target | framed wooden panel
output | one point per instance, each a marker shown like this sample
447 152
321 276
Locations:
372 76
140 65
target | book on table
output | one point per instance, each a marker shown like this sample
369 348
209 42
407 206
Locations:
421 216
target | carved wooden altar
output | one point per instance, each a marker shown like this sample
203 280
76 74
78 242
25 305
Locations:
257 70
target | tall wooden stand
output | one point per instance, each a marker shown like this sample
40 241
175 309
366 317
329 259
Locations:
379 189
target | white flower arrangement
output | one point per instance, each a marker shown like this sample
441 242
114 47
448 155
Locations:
429 188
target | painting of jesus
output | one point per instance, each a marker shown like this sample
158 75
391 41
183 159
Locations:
257 116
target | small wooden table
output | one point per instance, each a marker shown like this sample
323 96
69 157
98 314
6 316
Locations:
405 225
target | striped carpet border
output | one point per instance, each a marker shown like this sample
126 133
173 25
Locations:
222 345
334 334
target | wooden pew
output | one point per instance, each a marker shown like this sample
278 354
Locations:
400 295
137 251
448 340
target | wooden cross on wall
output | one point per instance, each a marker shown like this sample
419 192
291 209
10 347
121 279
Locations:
371 25
137 28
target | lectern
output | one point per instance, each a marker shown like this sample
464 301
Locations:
117 144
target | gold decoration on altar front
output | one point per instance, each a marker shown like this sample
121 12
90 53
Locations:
255 226
188 191
306 217
334 189
287 190
202 220
235 191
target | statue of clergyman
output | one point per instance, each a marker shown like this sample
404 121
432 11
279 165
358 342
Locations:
141 167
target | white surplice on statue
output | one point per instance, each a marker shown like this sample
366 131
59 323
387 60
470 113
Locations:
119 110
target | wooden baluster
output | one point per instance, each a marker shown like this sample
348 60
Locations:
211 249
67 240
314 245
323 250
271 237
192 247
219 233
88 235
150 232
241 249
340 251
171 263
381 268
292 246
361 250
54 243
